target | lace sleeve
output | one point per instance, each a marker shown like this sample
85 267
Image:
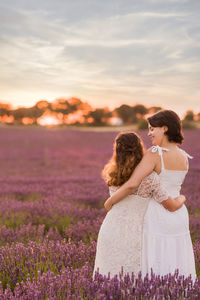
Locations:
159 193
145 188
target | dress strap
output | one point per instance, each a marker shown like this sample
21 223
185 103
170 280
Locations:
187 156
159 149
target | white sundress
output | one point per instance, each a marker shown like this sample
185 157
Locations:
119 242
167 244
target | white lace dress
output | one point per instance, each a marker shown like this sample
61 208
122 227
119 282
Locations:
119 241
167 244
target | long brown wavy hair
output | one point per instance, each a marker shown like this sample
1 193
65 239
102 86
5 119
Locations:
128 151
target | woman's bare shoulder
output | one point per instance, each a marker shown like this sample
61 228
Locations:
149 154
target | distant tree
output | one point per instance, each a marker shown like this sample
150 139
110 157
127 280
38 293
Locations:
18 114
142 124
189 116
100 116
154 109
74 104
126 113
62 106
67 106
36 112
140 109
43 104
85 107
31 112
5 109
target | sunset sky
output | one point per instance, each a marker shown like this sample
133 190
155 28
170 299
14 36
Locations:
106 52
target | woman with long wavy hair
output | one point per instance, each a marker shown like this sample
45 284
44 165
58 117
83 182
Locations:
119 243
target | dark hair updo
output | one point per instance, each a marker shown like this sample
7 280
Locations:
170 119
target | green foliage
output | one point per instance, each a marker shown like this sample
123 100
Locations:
189 116
100 116
186 124
154 109
142 124
126 113
4 109
140 109
89 116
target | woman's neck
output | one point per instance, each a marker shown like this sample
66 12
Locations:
169 145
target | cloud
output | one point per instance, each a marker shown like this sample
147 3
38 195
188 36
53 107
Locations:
100 50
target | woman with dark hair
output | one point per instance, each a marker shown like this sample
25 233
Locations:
119 241
167 244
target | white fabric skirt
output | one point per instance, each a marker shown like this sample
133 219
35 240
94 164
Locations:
119 242
166 242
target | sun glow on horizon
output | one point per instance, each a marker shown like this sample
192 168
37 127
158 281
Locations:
49 119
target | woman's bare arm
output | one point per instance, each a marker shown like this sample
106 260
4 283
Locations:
173 204
144 168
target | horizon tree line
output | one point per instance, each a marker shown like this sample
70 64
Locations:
74 111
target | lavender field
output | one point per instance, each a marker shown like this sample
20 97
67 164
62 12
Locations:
51 209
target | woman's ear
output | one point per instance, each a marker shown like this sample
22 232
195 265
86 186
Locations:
165 128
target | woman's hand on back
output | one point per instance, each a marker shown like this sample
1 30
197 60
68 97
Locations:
181 198
108 204
173 204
